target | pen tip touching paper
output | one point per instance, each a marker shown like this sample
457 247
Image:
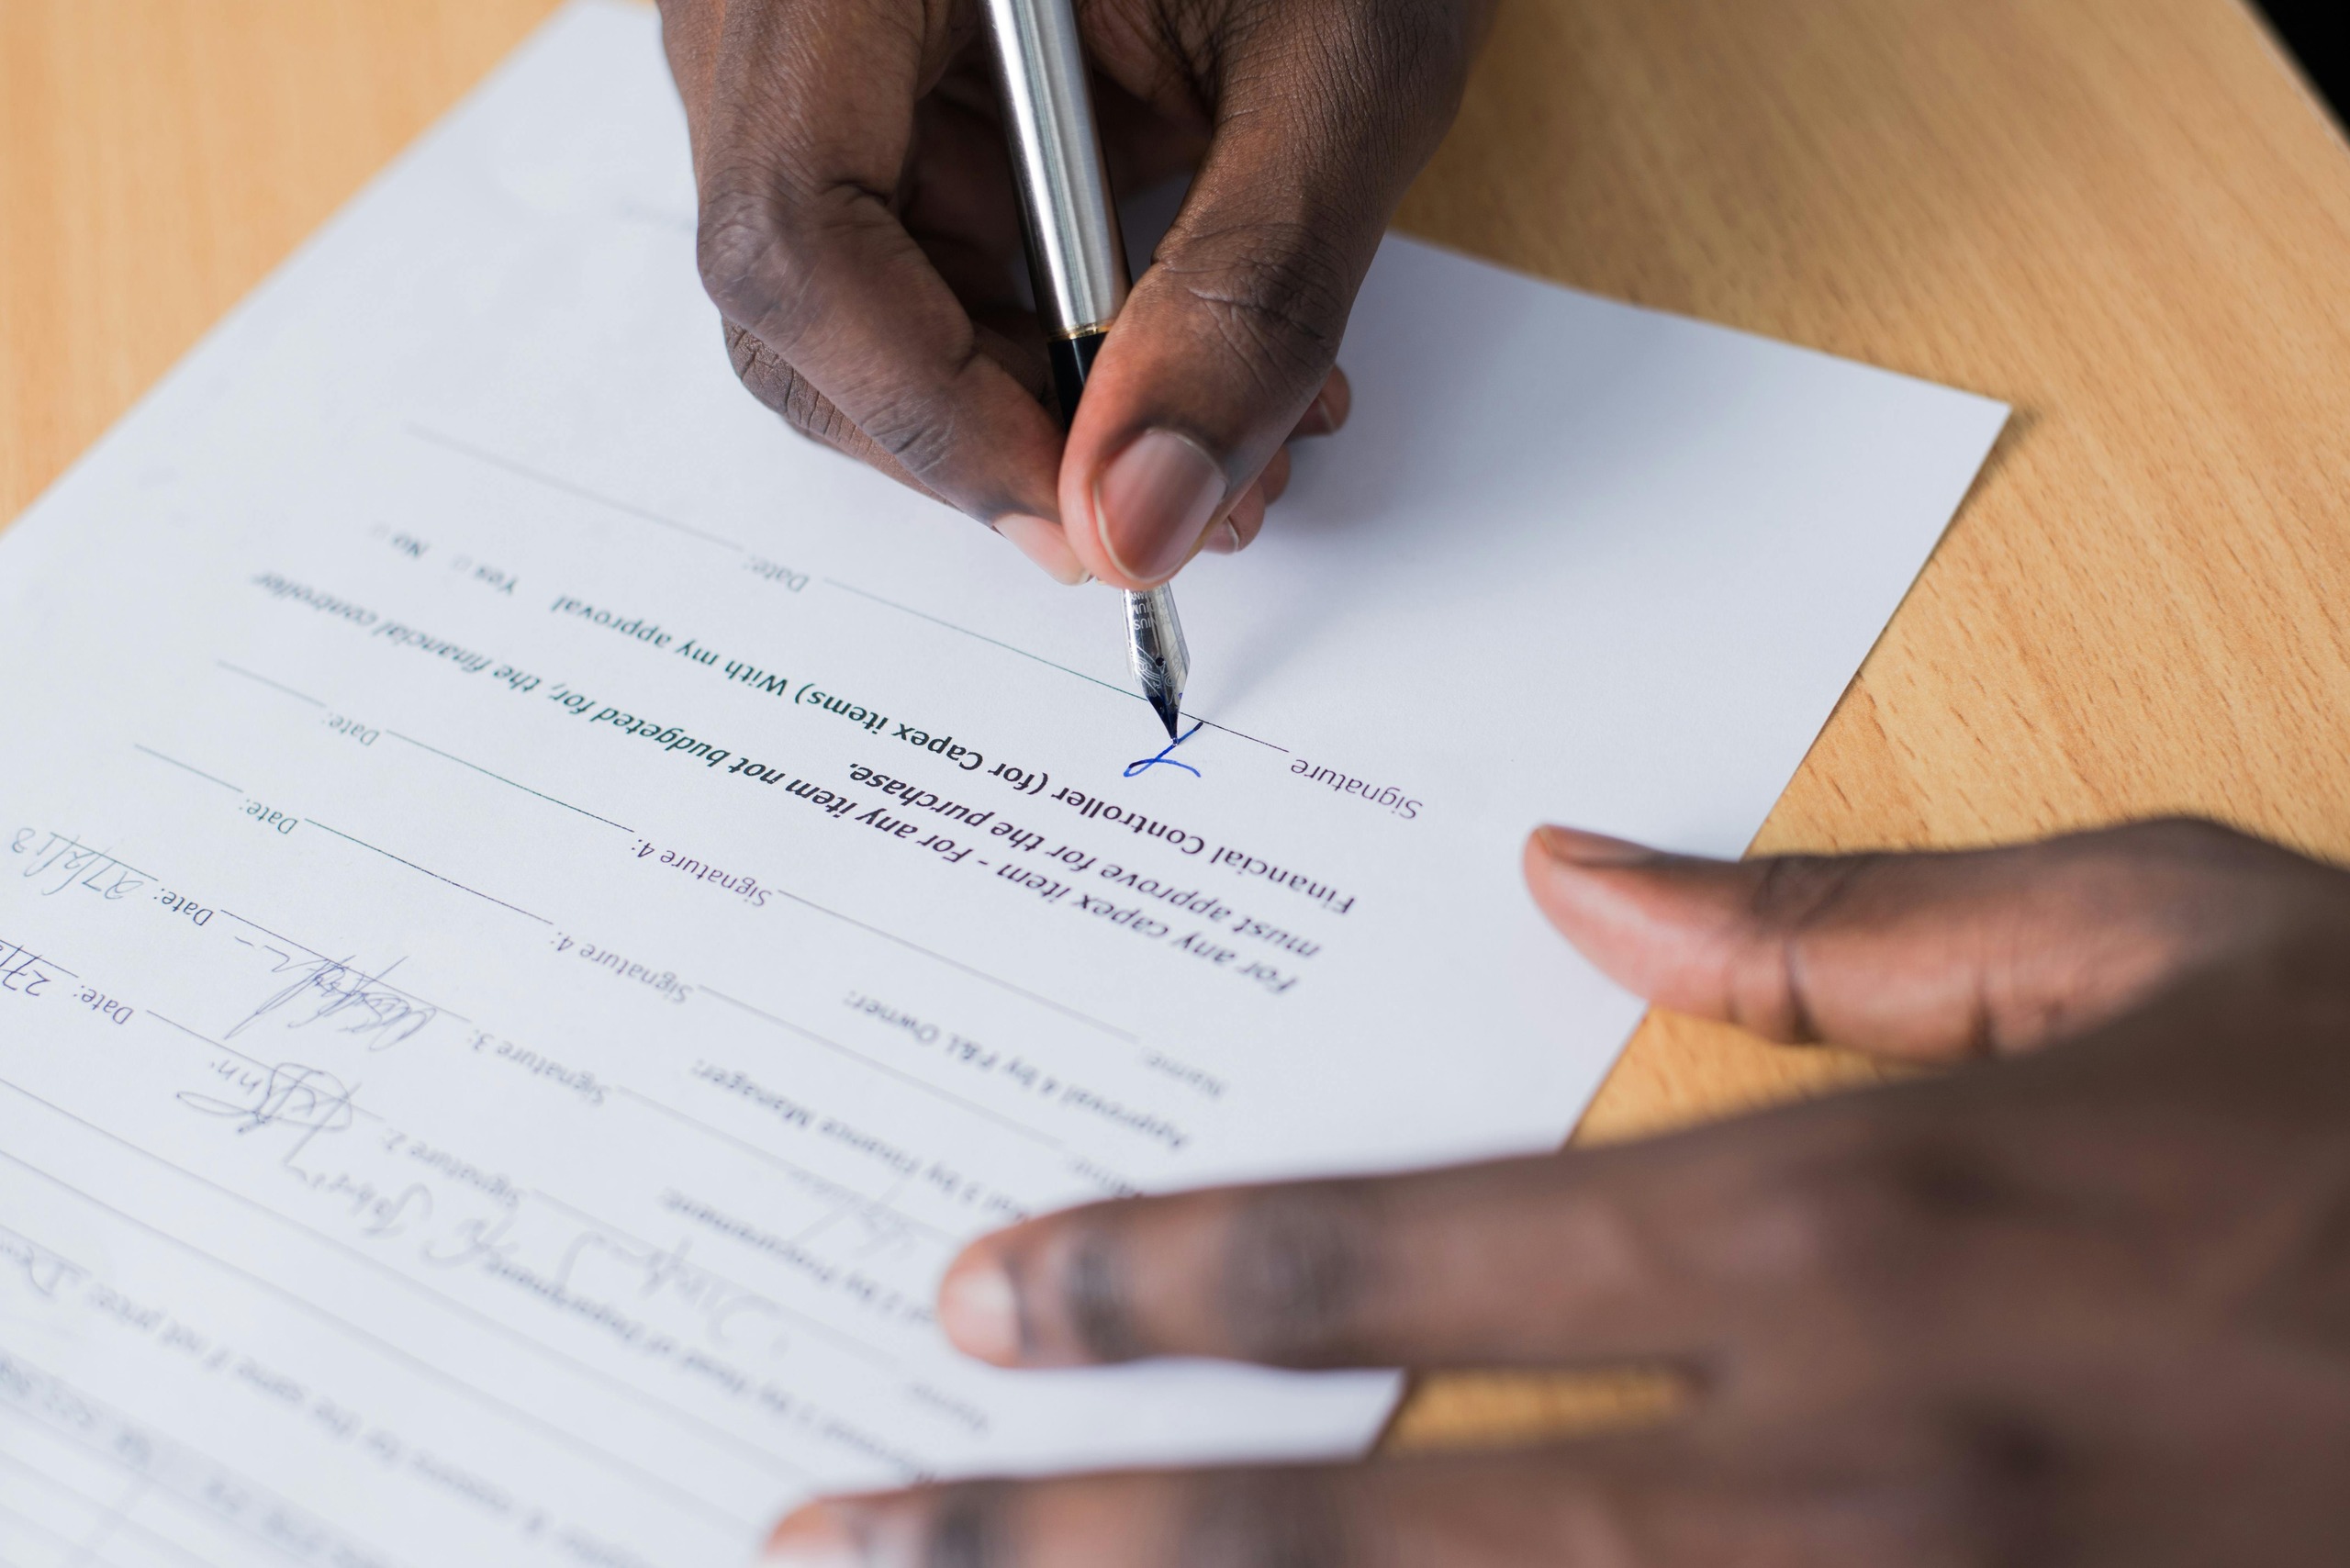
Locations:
1155 652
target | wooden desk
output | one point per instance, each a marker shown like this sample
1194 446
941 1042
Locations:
2125 217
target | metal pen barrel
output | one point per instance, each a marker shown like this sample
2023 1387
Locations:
1075 253
1077 261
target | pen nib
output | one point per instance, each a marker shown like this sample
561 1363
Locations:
1155 651
1170 711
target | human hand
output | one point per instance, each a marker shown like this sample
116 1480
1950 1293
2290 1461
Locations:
2084 1300
860 235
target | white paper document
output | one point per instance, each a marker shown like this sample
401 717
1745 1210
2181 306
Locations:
538 909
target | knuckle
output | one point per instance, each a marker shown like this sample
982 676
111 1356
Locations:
1414 57
1793 892
1791 898
771 379
2189 855
1297 1266
2000 1497
1387 63
965 1526
1276 295
1095 1296
2185 837
1938 1182
760 236
919 434
1262 1518
2218 893
1941 1521
735 245
1285 1272
1825 1227
1853 1222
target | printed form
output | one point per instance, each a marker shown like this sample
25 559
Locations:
537 909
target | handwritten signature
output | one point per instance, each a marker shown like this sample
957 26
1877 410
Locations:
1162 759
350 1001
646 1272
308 1100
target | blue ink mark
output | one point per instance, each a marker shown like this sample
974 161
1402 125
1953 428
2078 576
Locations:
1148 763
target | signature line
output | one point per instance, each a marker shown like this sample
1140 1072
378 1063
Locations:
183 766
436 875
814 1324
1163 760
520 1416
254 1062
377 981
1023 1129
1062 1008
116 1520
486 773
552 482
1015 648
274 684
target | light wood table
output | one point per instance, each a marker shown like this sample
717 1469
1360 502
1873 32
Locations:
2125 217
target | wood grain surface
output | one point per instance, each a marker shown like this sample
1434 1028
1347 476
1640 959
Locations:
2127 218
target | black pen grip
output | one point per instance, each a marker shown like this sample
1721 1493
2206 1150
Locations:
1072 362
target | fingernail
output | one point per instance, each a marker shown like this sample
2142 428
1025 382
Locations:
1223 540
1154 500
813 1536
1577 847
980 1312
1045 544
1330 406
1247 514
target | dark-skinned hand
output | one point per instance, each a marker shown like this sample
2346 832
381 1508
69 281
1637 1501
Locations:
860 236
2082 1299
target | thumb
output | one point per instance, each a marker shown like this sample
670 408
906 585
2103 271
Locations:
1928 957
1322 114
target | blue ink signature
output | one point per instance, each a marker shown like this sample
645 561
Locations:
1148 763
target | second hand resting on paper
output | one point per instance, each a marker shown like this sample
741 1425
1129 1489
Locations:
2078 1302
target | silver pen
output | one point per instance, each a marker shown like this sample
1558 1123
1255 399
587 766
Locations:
1078 262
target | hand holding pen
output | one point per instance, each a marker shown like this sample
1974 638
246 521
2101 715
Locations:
861 236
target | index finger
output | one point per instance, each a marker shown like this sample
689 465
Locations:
1668 1251
1654 1500
802 134
1729 1251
